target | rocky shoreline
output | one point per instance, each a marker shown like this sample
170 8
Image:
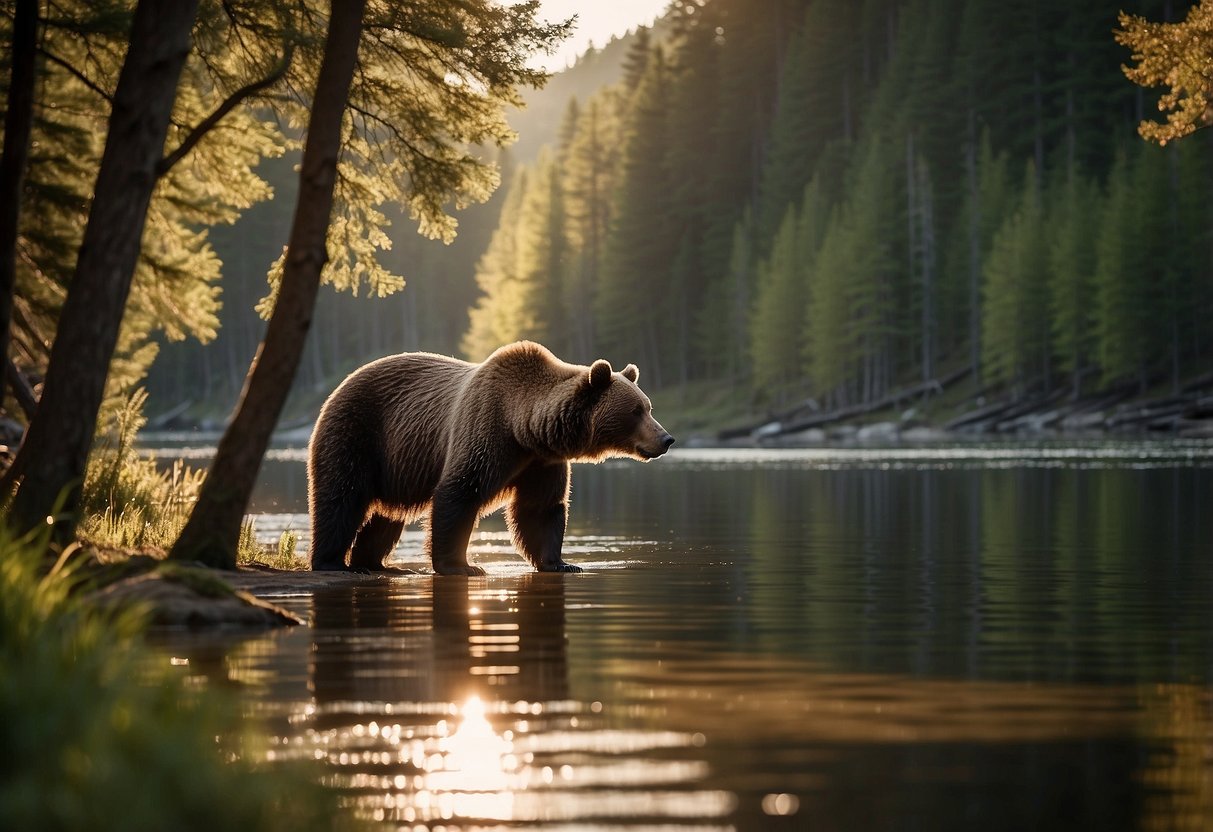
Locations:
1187 414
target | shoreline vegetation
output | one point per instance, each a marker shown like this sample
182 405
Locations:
100 728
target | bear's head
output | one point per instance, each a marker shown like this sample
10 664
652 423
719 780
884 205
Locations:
621 418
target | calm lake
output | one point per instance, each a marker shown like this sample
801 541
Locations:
994 637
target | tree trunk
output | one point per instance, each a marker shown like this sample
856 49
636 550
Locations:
18 120
926 237
52 459
974 248
211 533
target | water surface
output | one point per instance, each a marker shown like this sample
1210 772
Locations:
957 638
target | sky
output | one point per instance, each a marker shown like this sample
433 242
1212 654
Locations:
597 20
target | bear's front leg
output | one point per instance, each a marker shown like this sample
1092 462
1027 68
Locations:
538 513
451 522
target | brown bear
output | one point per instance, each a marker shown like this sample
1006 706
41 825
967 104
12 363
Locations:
419 432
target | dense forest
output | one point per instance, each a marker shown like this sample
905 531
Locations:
834 199
784 198
829 199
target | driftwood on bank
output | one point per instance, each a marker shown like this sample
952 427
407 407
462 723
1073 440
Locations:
795 420
1189 413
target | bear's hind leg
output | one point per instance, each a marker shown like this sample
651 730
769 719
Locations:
334 524
538 513
375 541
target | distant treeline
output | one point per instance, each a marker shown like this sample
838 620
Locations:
835 199
800 198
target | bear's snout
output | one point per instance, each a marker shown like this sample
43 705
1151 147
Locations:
656 442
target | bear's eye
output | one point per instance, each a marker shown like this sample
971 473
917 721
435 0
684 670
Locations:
637 410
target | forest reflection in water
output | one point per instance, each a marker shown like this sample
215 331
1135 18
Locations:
779 644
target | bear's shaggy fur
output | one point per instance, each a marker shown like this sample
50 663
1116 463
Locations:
417 432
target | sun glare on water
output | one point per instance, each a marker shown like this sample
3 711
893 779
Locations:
475 773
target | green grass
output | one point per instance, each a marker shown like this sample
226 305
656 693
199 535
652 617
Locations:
281 555
127 501
99 733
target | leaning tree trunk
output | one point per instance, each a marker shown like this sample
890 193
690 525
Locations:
51 461
18 119
213 528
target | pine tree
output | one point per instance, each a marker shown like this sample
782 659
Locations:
1133 272
874 224
214 524
1015 344
641 245
695 82
778 327
543 258
589 169
492 320
1118 310
726 309
988 199
636 62
830 349
776 323
1073 219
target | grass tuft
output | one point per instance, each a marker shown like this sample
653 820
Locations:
127 501
282 555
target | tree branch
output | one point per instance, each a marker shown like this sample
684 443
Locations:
232 101
80 76
22 392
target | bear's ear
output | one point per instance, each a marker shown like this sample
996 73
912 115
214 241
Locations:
631 373
600 374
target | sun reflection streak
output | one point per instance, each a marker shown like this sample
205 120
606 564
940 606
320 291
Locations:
475 772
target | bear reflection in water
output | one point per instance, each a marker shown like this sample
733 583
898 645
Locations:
417 434
462 640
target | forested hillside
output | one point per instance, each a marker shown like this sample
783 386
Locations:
798 198
838 199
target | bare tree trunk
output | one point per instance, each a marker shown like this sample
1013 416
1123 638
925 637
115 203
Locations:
18 121
211 533
52 458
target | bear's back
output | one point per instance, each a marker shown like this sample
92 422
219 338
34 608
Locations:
390 420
